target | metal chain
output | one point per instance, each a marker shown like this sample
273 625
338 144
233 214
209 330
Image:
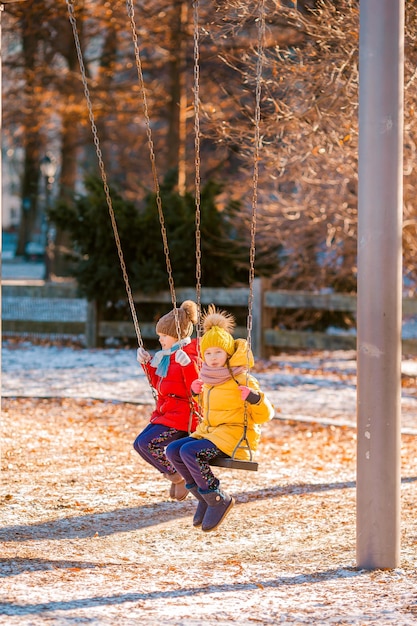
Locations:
131 14
255 180
197 164
73 21
257 142
257 148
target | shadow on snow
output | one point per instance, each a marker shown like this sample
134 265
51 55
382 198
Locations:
7 608
134 518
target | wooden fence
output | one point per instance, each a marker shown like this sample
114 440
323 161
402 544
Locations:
55 309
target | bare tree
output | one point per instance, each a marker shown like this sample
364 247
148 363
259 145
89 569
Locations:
309 128
410 144
25 101
308 170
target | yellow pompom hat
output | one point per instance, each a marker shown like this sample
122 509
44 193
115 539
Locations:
217 328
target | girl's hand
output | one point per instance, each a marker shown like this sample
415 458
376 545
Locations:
142 356
182 358
247 394
197 386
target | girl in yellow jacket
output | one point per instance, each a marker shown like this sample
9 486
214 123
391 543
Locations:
228 395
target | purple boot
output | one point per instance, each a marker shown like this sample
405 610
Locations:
201 507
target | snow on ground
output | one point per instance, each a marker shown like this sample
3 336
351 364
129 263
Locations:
88 534
316 387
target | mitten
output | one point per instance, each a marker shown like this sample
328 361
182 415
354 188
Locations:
197 386
250 396
142 356
182 358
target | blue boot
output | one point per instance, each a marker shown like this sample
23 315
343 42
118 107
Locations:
219 505
201 507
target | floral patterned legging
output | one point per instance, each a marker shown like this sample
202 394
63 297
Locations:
151 444
191 457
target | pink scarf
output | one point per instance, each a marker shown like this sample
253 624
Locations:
219 375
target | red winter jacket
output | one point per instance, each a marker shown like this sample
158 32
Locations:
175 403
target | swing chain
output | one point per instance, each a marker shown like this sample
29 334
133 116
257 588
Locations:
255 179
138 61
256 158
197 164
73 21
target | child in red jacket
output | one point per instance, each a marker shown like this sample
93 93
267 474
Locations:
171 372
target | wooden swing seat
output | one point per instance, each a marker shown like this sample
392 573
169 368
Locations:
230 463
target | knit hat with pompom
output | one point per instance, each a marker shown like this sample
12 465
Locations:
217 328
187 317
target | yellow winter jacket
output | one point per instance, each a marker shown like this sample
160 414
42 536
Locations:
223 410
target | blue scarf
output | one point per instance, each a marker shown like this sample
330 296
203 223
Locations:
162 358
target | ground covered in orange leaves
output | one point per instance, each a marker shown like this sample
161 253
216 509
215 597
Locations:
89 535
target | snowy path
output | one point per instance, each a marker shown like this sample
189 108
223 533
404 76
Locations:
318 388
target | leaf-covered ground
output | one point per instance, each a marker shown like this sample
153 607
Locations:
89 536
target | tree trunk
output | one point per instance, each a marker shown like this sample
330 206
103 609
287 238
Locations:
70 143
29 210
178 102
